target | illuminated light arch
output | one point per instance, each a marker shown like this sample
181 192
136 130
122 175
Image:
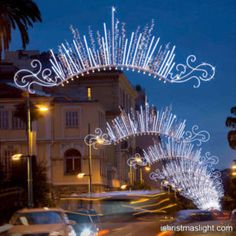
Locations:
147 121
193 181
171 150
167 150
185 169
113 49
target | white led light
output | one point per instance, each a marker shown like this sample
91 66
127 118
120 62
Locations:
114 48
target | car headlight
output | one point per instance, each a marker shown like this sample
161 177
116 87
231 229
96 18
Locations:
87 232
57 233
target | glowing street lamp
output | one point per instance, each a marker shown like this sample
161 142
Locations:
42 108
138 159
100 141
147 168
123 186
233 167
81 175
17 157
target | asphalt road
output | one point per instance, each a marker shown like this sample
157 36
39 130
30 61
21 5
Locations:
142 226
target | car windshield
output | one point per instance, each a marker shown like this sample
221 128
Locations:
79 218
36 218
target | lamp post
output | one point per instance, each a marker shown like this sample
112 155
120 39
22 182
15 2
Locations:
42 109
29 159
91 140
138 160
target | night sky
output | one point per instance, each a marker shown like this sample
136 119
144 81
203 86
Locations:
206 28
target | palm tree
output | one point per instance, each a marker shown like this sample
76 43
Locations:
231 123
16 14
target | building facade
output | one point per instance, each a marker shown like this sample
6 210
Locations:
75 110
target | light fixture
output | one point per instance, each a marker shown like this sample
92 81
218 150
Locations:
81 175
17 157
123 186
42 108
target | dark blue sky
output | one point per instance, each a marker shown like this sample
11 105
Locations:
206 28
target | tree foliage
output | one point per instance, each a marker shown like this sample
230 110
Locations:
21 112
231 123
17 14
41 187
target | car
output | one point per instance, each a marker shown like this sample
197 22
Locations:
41 221
85 222
220 215
233 215
193 215
4 229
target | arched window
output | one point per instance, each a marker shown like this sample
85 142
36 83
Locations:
72 161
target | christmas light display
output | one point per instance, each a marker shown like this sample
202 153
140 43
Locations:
148 121
181 165
170 148
114 49
193 181
185 169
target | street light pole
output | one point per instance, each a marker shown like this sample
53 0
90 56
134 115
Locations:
29 156
141 175
90 168
130 176
91 140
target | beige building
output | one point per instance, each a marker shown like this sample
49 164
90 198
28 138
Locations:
85 102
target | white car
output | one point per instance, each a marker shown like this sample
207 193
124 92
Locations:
41 221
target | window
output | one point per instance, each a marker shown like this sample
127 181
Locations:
3 119
89 93
72 119
17 123
72 161
6 161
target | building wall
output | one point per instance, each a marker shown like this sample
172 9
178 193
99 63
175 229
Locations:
109 91
54 139
112 90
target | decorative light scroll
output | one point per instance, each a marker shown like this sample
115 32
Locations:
209 160
98 138
115 49
156 175
186 72
198 136
26 78
136 160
